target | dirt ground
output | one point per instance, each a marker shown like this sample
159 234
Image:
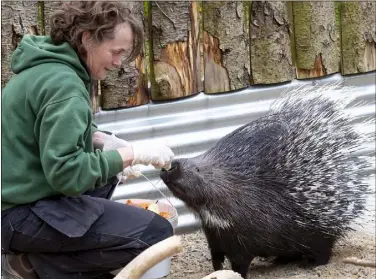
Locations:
194 262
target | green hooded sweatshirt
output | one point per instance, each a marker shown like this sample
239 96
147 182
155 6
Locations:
47 127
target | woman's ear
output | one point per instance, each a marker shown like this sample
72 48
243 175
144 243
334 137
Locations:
86 40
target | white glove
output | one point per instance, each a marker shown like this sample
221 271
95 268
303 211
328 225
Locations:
128 173
111 142
158 155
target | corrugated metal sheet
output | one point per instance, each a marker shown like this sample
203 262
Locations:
190 126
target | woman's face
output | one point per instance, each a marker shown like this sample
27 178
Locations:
106 56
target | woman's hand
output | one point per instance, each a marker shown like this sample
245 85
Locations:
155 154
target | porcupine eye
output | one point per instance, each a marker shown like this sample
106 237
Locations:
197 169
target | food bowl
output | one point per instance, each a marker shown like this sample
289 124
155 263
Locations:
162 268
164 207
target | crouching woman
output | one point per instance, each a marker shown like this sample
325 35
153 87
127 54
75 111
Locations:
57 217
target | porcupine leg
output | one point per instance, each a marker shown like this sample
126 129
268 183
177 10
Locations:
320 258
217 259
321 251
217 255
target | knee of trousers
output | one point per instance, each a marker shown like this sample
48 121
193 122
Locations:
158 229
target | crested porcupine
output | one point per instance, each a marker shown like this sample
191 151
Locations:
287 185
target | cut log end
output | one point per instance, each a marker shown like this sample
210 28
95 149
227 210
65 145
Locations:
168 81
150 257
223 274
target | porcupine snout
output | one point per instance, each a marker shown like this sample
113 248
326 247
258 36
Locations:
172 174
175 179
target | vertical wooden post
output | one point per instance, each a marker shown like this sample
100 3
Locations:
317 39
173 44
271 59
358 37
226 46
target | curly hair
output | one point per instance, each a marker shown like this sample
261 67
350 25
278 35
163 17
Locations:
99 18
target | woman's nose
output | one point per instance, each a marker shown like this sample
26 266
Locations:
117 62
171 174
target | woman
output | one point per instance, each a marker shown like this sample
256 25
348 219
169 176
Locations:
57 220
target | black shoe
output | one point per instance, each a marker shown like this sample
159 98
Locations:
17 266
106 276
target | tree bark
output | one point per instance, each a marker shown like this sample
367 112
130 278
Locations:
17 19
226 46
271 60
174 46
358 37
317 39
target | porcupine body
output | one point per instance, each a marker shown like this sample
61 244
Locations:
285 185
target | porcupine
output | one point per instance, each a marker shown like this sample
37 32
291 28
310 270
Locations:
286 185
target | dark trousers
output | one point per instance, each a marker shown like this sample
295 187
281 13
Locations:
82 237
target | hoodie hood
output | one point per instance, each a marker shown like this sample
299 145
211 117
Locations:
34 50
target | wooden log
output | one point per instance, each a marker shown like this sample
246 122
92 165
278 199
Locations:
271 59
17 19
173 44
317 38
150 257
226 46
358 28
127 86
223 274
360 262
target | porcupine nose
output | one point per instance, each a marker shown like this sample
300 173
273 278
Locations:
171 174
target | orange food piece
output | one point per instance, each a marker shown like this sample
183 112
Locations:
145 205
165 214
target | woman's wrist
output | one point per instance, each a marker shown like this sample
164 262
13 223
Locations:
98 139
127 155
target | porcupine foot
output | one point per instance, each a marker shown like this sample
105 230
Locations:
282 260
321 258
241 268
217 260
318 258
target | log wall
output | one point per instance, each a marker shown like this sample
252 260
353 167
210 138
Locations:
215 47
